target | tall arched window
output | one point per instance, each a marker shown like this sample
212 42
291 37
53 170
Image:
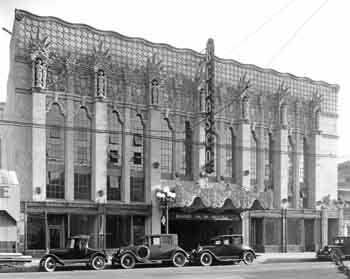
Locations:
166 150
303 172
253 160
137 172
184 150
268 157
55 153
228 153
290 167
114 159
82 155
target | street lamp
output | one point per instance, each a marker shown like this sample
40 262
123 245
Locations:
165 197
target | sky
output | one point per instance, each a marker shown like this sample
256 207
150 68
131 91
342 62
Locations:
301 37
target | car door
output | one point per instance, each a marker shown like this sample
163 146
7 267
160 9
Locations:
235 248
155 248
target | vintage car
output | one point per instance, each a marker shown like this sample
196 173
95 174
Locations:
340 244
157 248
223 248
76 252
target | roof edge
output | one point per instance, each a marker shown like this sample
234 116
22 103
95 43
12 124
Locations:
18 13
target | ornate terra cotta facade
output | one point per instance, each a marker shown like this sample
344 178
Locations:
110 119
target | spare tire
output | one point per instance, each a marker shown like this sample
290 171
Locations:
143 252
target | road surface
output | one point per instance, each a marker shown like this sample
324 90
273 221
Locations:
317 270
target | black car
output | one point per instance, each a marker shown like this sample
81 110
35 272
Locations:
156 248
223 248
340 244
76 251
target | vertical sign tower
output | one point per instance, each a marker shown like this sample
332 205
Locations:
209 107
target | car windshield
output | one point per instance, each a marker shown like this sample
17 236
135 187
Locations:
217 242
70 243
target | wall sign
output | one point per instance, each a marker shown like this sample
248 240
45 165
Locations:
209 108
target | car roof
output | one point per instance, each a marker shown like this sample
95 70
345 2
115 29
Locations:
225 236
80 236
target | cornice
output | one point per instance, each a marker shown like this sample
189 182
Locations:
20 13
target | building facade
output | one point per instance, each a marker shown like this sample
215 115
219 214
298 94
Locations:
99 122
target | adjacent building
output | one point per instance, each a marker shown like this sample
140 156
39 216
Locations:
99 122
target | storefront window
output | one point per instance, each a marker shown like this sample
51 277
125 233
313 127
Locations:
36 231
138 229
118 230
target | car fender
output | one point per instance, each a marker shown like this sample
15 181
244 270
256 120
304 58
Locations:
54 256
180 250
210 252
99 254
138 259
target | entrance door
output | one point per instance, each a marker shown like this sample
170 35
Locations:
309 235
56 237
256 234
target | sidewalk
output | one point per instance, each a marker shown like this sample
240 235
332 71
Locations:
264 258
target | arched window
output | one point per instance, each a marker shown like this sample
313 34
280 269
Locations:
82 155
166 150
290 152
253 160
303 172
228 153
268 157
114 159
184 150
137 172
55 153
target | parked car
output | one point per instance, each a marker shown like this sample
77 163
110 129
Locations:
76 251
223 248
157 248
340 244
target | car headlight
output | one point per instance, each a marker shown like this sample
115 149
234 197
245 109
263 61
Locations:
200 248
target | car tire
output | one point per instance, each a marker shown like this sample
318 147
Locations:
127 261
178 259
98 262
206 259
248 257
49 264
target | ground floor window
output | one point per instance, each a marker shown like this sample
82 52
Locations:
124 230
137 188
36 236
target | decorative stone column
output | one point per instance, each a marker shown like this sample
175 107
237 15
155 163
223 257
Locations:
69 151
243 154
99 152
246 227
39 145
341 220
324 227
314 169
153 167
280 173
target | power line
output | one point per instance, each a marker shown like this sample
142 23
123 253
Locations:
261 26
285 45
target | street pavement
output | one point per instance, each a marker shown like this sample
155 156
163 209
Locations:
301 270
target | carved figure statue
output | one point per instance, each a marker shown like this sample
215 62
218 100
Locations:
101 83
245 108
154 92
38 75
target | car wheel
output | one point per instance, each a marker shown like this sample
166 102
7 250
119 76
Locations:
179 259
206 259
49 264
98 262
248 257
127 261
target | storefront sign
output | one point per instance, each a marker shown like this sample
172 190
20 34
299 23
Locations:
209 108
208 217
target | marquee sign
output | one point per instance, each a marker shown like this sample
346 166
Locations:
209 108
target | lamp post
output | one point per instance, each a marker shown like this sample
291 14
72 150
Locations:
165 197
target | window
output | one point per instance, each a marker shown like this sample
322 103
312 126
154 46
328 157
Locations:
113 187
155 240
138 229
114 156
55 182
82 156
82 186
268 152
166 150
228 153
55 153
137 181
304 173
253 160
36 231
